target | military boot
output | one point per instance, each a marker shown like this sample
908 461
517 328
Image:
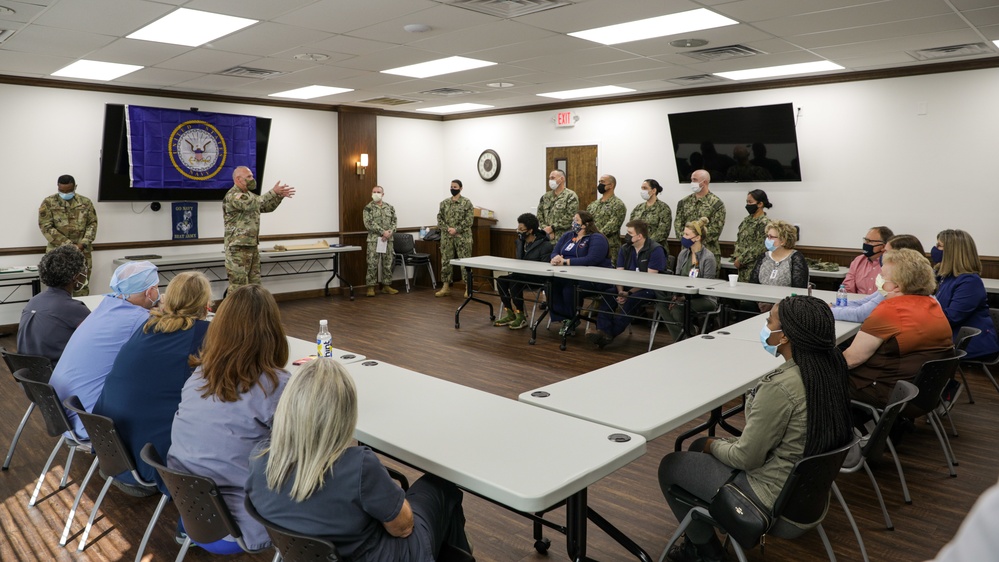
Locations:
445 290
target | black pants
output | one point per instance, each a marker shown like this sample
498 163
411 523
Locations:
511 289
436 505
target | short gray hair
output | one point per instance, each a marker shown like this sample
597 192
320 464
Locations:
61 266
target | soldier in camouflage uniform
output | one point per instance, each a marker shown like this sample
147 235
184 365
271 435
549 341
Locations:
752 232
655 212
241 210
69 218
380 221
702 203
557 207
455 221
608 213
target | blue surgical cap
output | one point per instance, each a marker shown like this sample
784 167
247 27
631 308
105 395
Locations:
134 277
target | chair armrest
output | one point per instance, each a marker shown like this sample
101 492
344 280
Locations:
867 408
685 497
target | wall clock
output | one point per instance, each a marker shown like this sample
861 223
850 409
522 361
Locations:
489 165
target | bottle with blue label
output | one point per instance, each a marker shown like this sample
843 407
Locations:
324 340
841 296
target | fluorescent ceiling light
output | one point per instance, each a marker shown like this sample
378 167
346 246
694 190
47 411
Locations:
587 92
190 27
783 70
95 70
454 108
672 24
309 92
438 67
996 42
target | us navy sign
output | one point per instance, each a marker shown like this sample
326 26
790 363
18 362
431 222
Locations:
197 150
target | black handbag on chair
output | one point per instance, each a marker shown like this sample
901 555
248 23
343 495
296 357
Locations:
739 515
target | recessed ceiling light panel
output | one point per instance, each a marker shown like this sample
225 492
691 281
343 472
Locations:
672 24
454 108
309 92
438 67
587 92
96 70
783 70
190 28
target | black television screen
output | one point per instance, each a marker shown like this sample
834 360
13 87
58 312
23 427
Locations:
115 183
737 144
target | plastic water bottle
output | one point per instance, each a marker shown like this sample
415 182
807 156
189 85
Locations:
324 340
423 232
841 296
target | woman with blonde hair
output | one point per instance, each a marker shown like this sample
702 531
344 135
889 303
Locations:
694 260
309 479
781 265
962 294
142 391
228 404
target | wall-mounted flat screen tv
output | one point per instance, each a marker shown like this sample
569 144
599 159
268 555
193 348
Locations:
738 144
197 153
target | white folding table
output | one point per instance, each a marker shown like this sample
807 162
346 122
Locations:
749 329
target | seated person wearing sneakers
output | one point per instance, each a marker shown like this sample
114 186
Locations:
532 245
906 330
858 310
639 253
582 245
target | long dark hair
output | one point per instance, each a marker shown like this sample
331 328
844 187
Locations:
586 219
808 323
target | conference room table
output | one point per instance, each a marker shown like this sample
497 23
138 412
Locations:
749 329
840 273
272 264
524 458
656 392
12 279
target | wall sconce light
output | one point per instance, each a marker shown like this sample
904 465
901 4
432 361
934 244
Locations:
362 165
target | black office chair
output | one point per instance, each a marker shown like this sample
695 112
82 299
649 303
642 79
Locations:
803 498
406 255
113 458
986 363
41 368
931 380
292 546
57 424
202 508
964 336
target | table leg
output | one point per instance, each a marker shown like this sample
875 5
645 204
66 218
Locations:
575 531
336 275
471 297
616 534
713 420
544 312
36 286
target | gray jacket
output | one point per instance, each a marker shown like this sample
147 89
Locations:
706 264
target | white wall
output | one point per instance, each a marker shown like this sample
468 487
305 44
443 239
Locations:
866 156
411 169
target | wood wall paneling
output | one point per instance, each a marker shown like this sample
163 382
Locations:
581 170
357 133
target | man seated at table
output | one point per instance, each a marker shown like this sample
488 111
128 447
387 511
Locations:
532 245
864 268
907 329
50 317
639 253
91 351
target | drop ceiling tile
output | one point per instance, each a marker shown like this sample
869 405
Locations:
215 82
619 79
718 37
157 77
23 12
54 41
985 17
760 61
392 58
282 64
346 45
516 51
208 60
267 38
914 28
856 17
990 32
365 80
963 5
253 9
762 10
909 43
337 16
575 63
879 60
34 64
109 17
442 19
322 75
484 74
480 37
600 13
132 51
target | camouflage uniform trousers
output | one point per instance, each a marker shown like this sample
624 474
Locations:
88 259
242 263
453 247
387 262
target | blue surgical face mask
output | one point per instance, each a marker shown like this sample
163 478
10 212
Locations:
67 196
770 244
764 336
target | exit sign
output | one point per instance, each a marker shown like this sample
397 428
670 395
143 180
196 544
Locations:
565 119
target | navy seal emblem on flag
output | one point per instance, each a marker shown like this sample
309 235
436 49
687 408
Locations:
197 150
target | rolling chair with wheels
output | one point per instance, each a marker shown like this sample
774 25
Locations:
41 368
406 255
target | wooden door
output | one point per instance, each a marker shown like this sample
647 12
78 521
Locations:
580 170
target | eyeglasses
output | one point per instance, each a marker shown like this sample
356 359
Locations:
771 237
873 242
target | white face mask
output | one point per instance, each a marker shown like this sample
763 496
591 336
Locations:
552 184
695 187
376 197
646 195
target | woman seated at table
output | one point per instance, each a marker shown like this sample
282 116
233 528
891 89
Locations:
309 479
797 410
781 265
51 317
142 391
858 310
582 245
694 260
906 330
962 294
530 247
228 404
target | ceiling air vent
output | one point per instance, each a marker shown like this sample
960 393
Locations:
727 52
447 92
388 101
697 80
247 72
506 8
966 50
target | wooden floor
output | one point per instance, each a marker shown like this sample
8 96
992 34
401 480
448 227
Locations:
417 331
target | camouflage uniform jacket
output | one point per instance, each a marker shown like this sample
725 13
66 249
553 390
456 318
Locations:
557 211
749 243
241 215
457 215
690 208
68 222
609 216
659 218
378 219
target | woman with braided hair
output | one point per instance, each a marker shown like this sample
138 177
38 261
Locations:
797 410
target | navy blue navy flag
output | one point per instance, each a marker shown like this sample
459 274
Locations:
169 148
185 220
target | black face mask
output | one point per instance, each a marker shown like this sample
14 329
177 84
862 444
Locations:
455 192
751 209
628 240
868 250
523 235
601 188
